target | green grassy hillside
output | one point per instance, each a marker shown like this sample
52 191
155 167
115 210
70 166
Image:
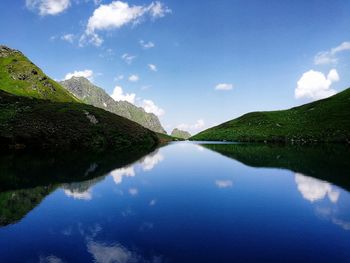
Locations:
38 113
326 120
21 77
41 124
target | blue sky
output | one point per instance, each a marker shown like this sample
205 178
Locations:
200 62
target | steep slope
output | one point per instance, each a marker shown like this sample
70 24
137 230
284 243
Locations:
38 113
326 120
96 96
21 77
180 134
41 124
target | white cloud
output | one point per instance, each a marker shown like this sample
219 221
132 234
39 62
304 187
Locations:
147 45
329 57
85 195
118 95
150 107
315 85
151 160
68 37
87 73
48 7
223 86
91 38
147 164
119 77
314 190
152 67
128 58
333 76
192 128
223 183
134 78
146 87
104 253
133 191
118 174
199 124
118 14
50 259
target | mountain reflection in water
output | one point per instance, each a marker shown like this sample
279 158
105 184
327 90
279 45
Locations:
185 202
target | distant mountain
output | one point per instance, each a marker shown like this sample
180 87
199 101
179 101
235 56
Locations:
38 113
180 134
326 120
84 90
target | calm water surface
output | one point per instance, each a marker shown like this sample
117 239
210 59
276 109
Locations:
184 202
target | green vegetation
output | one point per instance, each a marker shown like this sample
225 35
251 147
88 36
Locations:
40 124
38 113
180 134
21 77
84 90
329 162
14 205
165 138
325 120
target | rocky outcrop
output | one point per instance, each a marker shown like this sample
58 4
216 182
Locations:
84 90
180 134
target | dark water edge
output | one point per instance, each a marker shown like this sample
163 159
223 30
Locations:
26 179
329 162
27 170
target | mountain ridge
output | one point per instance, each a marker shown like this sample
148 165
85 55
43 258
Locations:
177 133
91 94
36 113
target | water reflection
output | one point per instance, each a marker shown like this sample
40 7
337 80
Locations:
50 259
112 253
313 165
326 162
25 180
314 190
14 205
118 174
147 163
81 190
223 183
185 203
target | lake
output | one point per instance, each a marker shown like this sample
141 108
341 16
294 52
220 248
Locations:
184 202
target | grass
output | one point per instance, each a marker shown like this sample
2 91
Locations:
165 138
21 77
326 120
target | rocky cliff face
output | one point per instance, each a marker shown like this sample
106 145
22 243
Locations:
84 90
180 134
